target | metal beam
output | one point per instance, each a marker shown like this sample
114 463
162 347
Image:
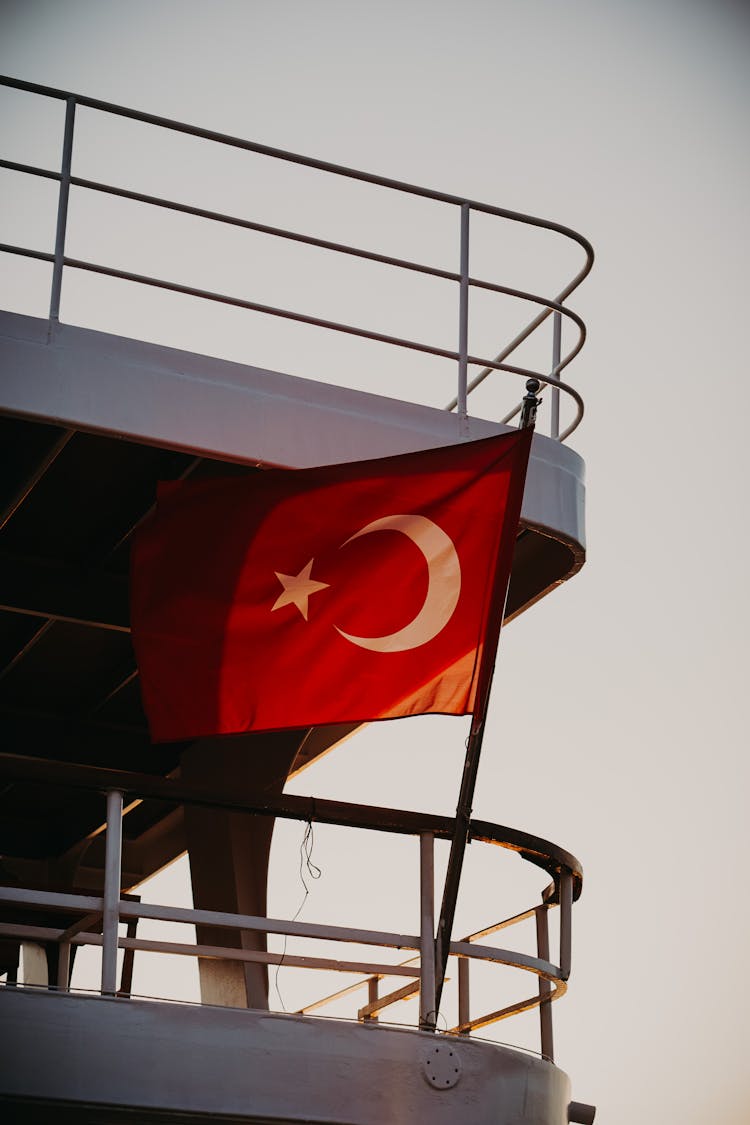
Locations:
40 628
188 471
63 592
34 477
125 677
33 734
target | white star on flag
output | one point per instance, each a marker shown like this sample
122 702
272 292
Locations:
298 589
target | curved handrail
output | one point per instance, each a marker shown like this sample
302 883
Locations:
542 853
311 162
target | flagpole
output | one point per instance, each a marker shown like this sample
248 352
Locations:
498 598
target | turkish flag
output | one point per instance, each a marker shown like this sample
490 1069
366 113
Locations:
290 598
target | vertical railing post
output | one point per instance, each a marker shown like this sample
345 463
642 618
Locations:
62 212
545 989
112 887
464 1002
463 327
63 966
555 397
372 996
566 919
427 1013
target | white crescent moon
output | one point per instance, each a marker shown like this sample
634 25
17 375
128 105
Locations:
443 583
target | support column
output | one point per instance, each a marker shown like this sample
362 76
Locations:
229 853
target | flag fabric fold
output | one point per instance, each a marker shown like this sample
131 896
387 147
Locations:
292 598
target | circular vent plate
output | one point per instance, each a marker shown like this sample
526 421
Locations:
441 1066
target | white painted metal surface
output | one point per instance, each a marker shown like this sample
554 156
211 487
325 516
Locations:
92 380
261 1066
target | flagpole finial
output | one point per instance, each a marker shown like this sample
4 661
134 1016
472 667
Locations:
530 404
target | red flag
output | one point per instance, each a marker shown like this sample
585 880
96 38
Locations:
291 598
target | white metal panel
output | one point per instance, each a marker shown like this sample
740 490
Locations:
93 380
262 1065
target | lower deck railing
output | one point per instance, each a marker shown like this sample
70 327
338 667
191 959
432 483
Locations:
99 916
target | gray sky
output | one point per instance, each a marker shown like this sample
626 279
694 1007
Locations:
618 725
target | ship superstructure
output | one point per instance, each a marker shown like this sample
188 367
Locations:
89 421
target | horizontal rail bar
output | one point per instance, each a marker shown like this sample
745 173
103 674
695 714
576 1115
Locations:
33 933
262 228
506 957
310 162
25 252
511 1010
266 925
31 170
497 926
54 900
243 922
225 953
340 994
128 909
386 1001
271 310
215 952
485 953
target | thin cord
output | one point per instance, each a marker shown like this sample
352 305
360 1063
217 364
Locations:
314 872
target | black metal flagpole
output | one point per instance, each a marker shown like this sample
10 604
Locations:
474 741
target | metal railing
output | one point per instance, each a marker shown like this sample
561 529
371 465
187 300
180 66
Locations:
106 911
464 359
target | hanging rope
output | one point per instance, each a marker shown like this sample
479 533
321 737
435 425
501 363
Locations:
306 865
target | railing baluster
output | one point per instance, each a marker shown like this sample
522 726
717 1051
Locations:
555 396
545 1008
63 966
566 918
464 1002
427 1014
372 996
463 326
62 212
112 881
